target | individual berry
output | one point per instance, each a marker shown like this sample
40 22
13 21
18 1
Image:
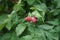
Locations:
28 18
33 19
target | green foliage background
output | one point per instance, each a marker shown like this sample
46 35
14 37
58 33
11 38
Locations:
14 27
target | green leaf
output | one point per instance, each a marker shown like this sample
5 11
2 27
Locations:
41 7
31 28
9 36
17 6
55 12
57 29
40 15
46 27
27 37
13 36
36 36
58 4
13 19
51 36
55 22
20 28
3 21
2 25
30 2
29 14
36 14
6 36
9 24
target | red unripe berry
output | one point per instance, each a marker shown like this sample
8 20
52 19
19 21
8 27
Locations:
33 19
28 19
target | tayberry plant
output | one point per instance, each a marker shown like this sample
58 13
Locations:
29 19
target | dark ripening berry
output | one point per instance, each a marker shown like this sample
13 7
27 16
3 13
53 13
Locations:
28 19
33 19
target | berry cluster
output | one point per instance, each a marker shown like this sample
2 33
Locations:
31 19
